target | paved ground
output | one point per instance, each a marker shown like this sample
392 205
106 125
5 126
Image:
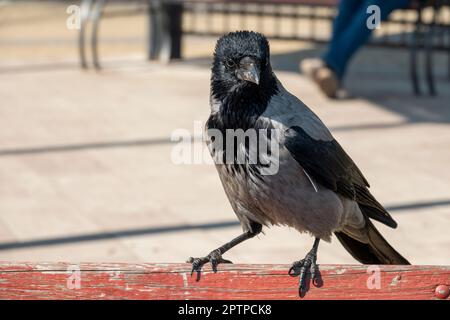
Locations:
86 171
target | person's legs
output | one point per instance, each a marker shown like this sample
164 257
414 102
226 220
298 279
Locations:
347 41
345 13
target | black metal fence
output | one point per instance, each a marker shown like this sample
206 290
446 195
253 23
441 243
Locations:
423 25
312 22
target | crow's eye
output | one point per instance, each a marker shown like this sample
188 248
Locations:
229 63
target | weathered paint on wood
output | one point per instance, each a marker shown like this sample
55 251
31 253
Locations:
173 281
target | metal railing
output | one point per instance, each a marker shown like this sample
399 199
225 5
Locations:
424 25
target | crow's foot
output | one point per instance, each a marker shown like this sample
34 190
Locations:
307 269
215 257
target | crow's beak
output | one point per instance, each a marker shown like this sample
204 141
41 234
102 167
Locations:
248 70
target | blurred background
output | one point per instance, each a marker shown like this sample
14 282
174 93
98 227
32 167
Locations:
90 93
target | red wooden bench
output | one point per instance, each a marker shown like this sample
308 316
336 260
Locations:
173 281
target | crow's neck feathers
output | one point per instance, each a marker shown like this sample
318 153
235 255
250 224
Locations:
241 104
238 103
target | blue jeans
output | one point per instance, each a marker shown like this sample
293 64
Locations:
350 30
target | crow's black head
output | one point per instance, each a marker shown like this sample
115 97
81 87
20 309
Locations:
241 63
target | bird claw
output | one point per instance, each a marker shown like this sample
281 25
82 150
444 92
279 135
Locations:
301 268
295 269
214 258
197 264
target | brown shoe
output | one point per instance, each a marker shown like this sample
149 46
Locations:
309 66
327 81
324 77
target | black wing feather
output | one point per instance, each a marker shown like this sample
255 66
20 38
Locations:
330 166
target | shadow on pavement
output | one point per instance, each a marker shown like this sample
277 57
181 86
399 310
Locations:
175 228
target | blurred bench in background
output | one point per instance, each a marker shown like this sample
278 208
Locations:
169 20
173 281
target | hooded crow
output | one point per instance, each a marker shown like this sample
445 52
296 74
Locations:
316 187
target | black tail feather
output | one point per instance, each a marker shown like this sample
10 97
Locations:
376 251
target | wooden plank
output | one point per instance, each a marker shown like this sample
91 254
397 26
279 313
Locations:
173 281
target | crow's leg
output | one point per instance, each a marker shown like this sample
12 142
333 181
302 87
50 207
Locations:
302 267
215 256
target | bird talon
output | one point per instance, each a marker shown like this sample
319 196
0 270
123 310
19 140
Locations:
314 275
295 269
292 272
197 264
307 270
214 264
214 258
